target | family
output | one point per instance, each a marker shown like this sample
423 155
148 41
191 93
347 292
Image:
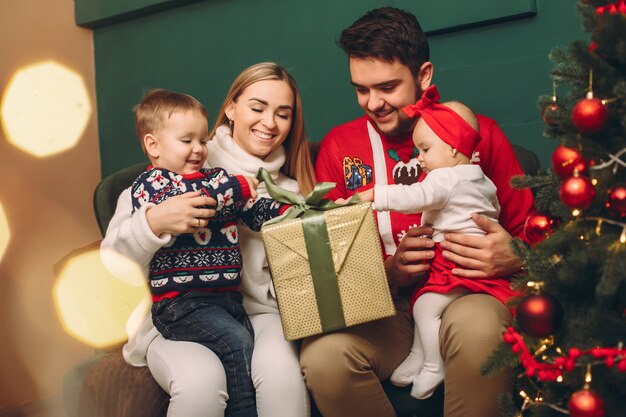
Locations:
214 340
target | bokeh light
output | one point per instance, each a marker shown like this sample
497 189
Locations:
45 109
5 233
93 304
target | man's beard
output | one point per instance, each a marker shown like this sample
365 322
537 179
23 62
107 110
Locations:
405 124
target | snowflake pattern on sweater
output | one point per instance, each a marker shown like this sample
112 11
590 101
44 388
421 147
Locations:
210 258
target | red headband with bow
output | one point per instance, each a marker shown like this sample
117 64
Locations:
445 122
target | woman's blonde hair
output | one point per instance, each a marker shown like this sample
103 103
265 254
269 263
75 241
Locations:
298 164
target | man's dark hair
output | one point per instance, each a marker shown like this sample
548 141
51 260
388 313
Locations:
387 33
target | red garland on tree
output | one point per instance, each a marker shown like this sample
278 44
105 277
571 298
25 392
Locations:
552 371
613 8
616 200
539 315
585 403
577 192
539 226
589 115
567 160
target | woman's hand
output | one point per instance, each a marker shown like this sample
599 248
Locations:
482 256
408 261
181 214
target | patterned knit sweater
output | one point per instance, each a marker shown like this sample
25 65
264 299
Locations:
210 258
356 157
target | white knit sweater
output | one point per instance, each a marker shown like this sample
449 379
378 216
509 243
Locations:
133 237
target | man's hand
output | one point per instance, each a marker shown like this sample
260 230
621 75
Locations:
408 261
181 214
482 256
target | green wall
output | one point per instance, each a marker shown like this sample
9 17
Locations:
493 57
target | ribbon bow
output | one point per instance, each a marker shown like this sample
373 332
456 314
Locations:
306 206
430 96
445 122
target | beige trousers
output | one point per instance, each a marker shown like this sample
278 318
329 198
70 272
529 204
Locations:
343 369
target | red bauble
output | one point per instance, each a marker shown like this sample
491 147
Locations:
577 192
539 315
589 115
585 403
549 114
567 160
616 200
539 226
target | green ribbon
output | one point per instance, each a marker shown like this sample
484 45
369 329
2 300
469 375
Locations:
301 206
311 210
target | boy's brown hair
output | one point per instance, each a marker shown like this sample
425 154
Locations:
387 33
157 106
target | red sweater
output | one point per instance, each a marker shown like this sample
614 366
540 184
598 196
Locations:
346 157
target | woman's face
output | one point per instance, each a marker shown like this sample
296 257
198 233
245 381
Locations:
262 116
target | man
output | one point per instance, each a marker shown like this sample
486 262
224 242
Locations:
389 67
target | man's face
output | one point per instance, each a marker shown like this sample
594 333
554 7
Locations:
383 88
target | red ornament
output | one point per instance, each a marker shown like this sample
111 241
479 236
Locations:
539 226
539 315
567 160
549 114
577 192
585 403
616 200
589 115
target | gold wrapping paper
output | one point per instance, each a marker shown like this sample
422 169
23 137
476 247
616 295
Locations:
357 260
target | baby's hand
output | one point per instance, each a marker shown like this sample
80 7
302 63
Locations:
252 183
341 201
367 195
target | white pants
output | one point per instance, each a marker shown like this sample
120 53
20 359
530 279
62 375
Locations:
194 377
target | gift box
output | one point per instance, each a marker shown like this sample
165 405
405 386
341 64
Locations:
327 268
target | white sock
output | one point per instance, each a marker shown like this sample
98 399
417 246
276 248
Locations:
427 381
406 372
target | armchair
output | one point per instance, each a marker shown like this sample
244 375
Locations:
106 386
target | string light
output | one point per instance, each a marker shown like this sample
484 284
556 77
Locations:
614 161
588 376
535 286
602 220
575 213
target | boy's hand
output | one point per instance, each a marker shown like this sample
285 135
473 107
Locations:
181 214
252 183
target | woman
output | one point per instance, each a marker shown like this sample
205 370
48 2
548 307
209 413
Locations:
260 124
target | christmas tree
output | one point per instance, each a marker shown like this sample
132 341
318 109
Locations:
567 340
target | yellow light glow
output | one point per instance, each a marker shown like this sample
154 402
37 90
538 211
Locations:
93 304
45 109
5 233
